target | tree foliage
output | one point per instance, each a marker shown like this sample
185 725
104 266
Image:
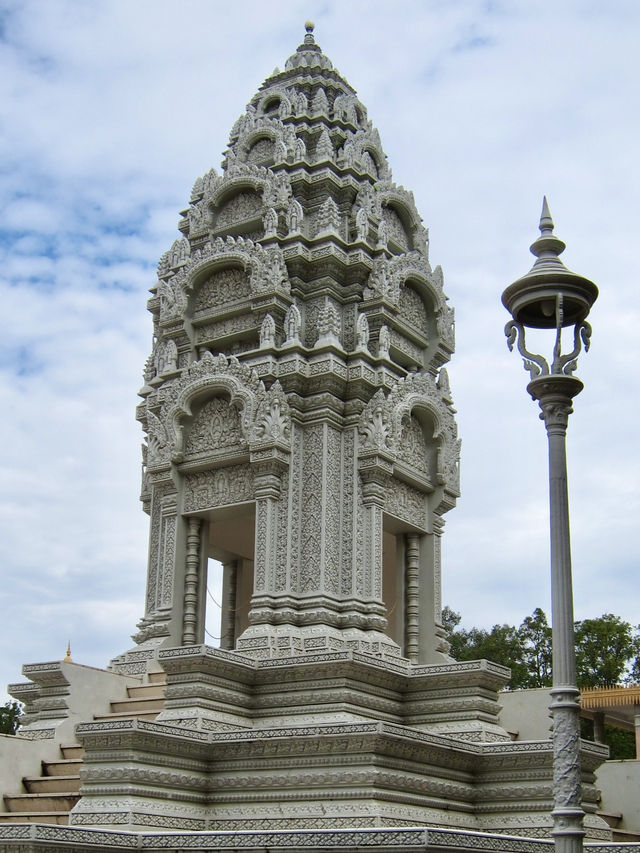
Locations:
10 714
607 649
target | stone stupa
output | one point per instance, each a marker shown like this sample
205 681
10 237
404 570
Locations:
300 430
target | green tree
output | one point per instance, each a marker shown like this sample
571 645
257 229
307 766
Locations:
535 635
501 644
606 650
10 714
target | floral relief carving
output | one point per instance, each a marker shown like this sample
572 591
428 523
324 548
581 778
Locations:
413 311
273 421
406 503
382 422
412 447
261 151
222 287
216 426
210 489
240 208
395 229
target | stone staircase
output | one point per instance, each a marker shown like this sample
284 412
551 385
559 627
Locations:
49 798
614 819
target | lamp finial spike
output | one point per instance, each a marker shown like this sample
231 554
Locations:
546 222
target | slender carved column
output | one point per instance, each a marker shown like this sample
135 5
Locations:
228 615
267 486
636 723
190 613
373 499
554 394
412 597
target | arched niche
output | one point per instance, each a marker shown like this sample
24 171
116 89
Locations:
261 151
418 446
218 287
239 213
370 162
415 307
398 228
214 429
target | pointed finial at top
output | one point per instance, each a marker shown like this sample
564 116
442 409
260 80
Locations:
546 222
67 657
547 246
309 27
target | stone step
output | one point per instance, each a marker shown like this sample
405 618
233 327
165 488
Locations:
64 767
72 750
127 715
157 677
62 802
61 818
136 706
51 784
147 691
624 835
612 818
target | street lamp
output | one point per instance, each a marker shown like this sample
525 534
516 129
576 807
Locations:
550 296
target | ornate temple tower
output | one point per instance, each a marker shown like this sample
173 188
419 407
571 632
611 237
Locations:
298 417
300 430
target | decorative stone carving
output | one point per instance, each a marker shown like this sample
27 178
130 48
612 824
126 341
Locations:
223 486
267 332
413 311
362 333
384 421
295 215
324 147
328 325
328 219
320 105
383 234
216 426
384 342
222 287
270 222
362 226
241 207
293 325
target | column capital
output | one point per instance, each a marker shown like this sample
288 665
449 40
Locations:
554 394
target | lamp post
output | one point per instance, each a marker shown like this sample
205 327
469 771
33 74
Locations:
550 297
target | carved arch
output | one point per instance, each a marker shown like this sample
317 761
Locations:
279 95
390 275
264 415
265 266
419 392
382 422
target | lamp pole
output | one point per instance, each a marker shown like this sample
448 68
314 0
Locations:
550 296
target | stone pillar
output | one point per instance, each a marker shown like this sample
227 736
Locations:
412 597
598 727
373 494
267 491
191 584
554 395
228 615
636 723
442 644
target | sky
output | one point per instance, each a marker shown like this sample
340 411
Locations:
110 110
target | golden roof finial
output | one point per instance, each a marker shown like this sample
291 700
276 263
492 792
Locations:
67 657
